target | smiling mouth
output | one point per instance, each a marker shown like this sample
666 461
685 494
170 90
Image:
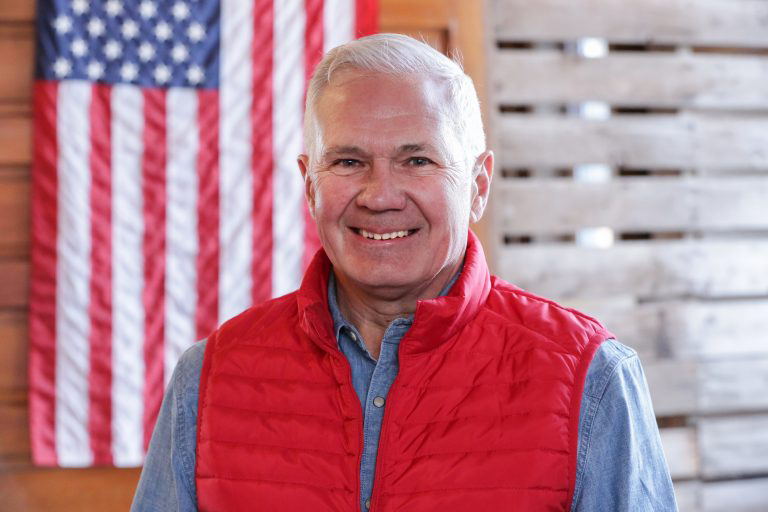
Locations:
384 236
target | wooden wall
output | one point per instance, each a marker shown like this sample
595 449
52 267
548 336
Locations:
632 182
446 24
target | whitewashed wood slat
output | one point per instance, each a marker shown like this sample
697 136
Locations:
733 446
674 386
700 22
681 451
652 269
685 329
734 496
534 206
687 495
685 141
524 77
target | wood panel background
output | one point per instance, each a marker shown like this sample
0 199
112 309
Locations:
632 183
446 24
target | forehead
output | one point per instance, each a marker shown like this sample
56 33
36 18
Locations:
382 108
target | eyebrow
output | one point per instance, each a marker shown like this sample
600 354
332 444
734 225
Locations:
344 150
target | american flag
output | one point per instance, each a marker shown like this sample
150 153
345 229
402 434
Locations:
166 196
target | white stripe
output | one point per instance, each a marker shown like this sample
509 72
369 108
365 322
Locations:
236 182
288 108
127 276
181 225
338 23
73 271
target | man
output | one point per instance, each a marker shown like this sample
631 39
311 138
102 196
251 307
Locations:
401 375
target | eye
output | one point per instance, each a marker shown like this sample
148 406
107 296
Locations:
346 162
419 161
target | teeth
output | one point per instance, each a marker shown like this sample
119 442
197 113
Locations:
383 236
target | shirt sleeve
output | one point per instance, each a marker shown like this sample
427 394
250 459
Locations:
620 463
168 478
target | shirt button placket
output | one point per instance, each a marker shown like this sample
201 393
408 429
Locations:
379 401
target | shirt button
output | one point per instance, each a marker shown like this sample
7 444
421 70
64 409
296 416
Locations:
353 336
367 504
378 401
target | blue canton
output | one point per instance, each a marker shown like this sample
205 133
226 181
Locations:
150 43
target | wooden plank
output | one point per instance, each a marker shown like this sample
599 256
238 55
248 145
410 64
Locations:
673 386
14 214
13 351
524 77
681 451
68 490
687 495
423 14
14 431
697 22
730 386
16 65
15 140
649 269
734 447
14 276
632 204
686 328
648 141
734 496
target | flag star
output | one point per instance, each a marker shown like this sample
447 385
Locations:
163 31
196 32
180 10
79 47
62 67
162 73
146 52
95 70
95 27
195 75
129 29
113 7
62 24
129 71
112 49
79 6
179 53
147 9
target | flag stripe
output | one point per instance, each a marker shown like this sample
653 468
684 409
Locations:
127 276
338 23
288 223
100 311
181 225
42 300
154 191
73 266
262 260
206 315
236 183
366 17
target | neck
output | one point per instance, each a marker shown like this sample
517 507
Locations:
372 310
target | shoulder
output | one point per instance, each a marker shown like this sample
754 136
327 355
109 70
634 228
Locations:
251 322
613 361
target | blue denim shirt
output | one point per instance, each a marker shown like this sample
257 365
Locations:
620 463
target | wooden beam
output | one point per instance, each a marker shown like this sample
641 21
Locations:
524 77
14 274
14 214
17 61
15 140
534 206
695 22
649 141
649 269
13 352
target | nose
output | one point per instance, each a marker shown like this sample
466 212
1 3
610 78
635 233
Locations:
382 188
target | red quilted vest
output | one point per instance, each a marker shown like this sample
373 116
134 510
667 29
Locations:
482 416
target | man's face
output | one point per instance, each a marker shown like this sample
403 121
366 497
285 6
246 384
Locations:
391 189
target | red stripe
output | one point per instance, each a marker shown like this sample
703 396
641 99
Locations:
262 159
206 315
366 17
153 295
42 296
313 52
100 307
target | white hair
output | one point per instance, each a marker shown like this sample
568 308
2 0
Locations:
400 55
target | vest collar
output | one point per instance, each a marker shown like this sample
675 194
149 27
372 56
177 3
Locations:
435 321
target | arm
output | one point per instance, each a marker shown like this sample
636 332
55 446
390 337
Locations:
168 477
620 465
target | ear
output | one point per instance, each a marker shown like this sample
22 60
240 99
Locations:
309 190
482 173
